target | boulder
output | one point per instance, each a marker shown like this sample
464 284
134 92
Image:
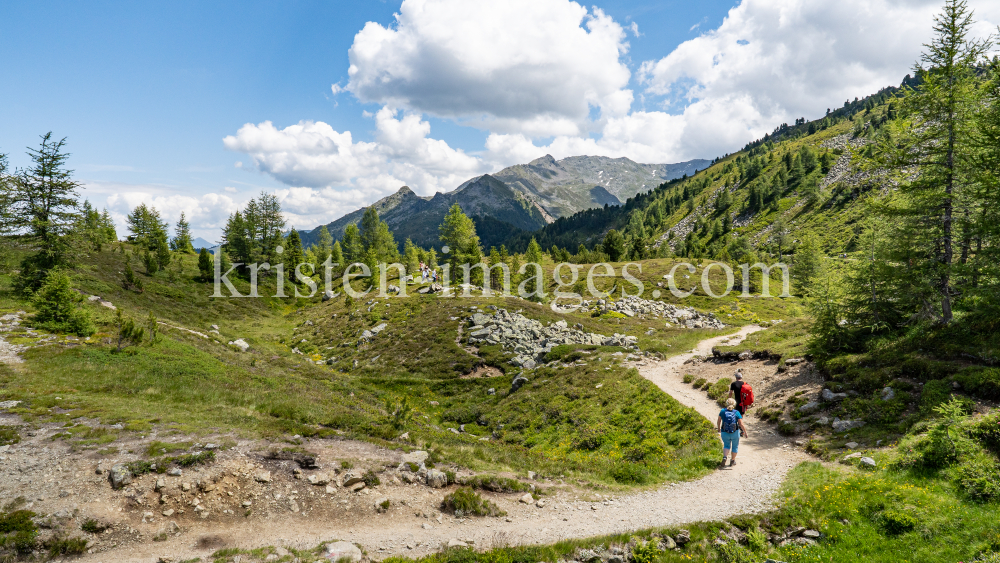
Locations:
351 478
868 462
328 295
845 425
436 479
418 457
527 499
831 397
667 543
119 476
851 445
518 382
810 406
811 534
683 537
588 556
453 542
888 394
319 479
262 477
794 361
343 551
379 328
241 344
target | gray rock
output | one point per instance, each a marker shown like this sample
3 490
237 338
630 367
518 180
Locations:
855 455
831 397
119 476
810 406
436 479
9 404
319 479
812 534
683 537
869 462
379 328
491 391
745 355
328 295
527 499
418 457
262 477
343 550
175 472
588 556
518 382
241 344
667 543
845 425
851 445
794 361
161 484
351 478
888 394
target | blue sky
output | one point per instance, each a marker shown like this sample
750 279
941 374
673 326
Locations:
160 101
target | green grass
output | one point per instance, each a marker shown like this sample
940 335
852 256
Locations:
627 432
465 501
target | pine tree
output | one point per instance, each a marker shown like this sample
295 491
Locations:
41 201
56 305
146 225
808 261
936 135
182 236
410 258
353 249
532 272
292 255
205 265
324 245
337 255
458 233
614 245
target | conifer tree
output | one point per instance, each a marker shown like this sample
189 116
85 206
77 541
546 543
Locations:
293 255
352 247
324 245
205 265
936 135
458 233
182 236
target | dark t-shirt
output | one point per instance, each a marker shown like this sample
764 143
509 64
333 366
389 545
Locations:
736 387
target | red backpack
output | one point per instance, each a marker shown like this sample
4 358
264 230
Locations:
746 396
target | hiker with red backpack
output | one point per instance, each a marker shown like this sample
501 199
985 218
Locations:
730 427
742 393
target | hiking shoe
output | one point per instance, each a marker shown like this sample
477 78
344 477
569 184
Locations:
732 462
723 464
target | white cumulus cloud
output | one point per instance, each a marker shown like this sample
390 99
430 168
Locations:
534 67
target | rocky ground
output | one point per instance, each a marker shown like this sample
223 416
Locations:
257 493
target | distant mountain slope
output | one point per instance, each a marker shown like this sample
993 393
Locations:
525 197
411 216
564 187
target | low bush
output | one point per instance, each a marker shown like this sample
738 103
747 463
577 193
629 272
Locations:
370 479
718 390
18 532
645 552
497 484
688 378
979 478
9 435
465 501
981 382
699 383
896 522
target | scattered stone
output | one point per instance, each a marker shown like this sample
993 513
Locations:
491 391
851 445
518 382
810 406
588 556
436 479
527 499
319 479
812 534
262 477
457 543
745 355
532 475
342 550
351 478
357 487
119 476
888 394
869 462
9 404
241 344
831 397
845 425
794 361
168 512
328 295
175 472
683 537
161 483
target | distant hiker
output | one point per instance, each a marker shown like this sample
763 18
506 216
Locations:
730 427
741 392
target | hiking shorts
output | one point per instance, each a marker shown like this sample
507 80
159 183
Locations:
731 441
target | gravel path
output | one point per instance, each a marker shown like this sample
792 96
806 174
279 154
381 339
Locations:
764 460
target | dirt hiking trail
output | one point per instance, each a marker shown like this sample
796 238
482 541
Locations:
750 486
